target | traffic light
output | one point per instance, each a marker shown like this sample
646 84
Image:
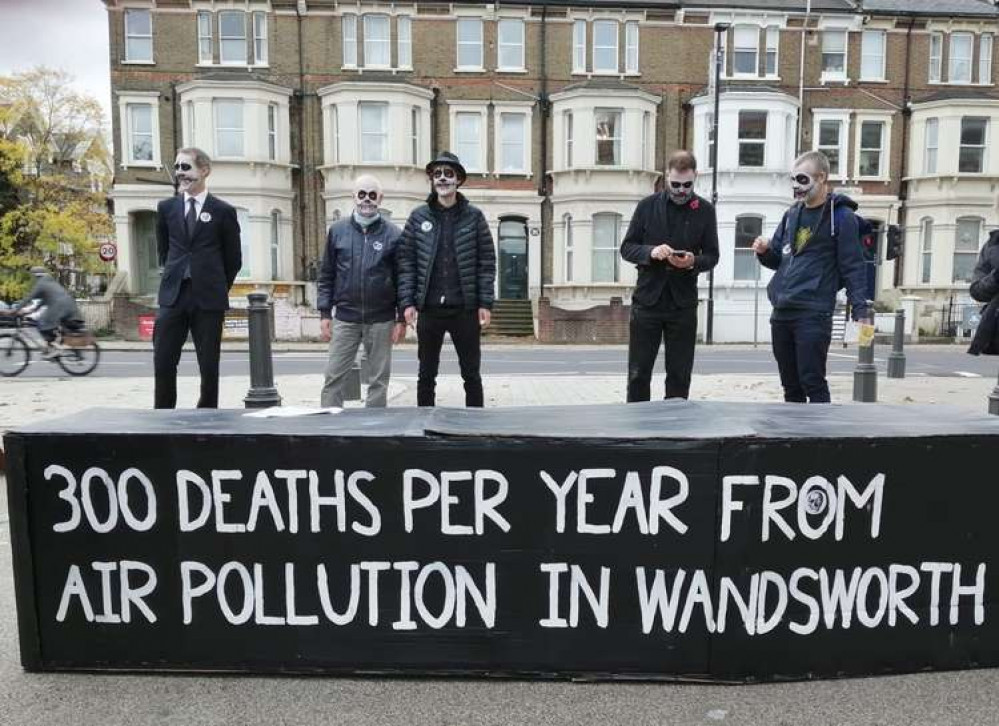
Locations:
893 247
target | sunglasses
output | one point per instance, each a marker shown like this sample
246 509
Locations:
801 179
681 185
182 166
372 195
443 173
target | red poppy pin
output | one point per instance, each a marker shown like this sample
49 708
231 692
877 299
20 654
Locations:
695 203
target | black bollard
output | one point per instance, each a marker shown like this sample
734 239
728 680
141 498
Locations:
896 359
262 393
994 401
865 375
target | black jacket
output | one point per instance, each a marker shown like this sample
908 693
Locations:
808 279
473 247
985 289
650 228
214 252
358 275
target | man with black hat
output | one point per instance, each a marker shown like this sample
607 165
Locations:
447 268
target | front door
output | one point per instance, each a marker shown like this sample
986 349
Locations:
513 260
147 268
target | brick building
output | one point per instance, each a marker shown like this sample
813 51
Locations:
563 115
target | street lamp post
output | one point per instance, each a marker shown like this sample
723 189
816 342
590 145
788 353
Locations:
720 28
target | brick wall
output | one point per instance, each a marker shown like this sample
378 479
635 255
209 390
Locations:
599 324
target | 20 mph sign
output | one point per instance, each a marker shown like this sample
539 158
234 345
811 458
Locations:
108 251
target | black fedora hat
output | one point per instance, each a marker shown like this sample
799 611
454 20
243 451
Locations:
448 159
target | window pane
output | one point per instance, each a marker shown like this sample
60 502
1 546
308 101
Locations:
404 29
747 229
141 121
936 56
138 22
229 127
745 41
373 119
468 139
232 32
350 40
829 133
511 44
605 45
753 125
605 252
376 41
870 135
512 131
985 59
773 40
579 46
245 231
973 131
960 57
469 43
139 49
142 118
870 163
872 62
608 127
970 160
631 47
834 52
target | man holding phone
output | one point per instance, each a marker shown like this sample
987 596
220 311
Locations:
673 236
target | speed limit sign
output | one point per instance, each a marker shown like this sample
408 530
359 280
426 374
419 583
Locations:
108 251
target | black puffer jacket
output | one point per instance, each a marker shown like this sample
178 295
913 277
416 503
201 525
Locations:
473 247
985 289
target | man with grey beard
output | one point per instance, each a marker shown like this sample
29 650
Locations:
358 280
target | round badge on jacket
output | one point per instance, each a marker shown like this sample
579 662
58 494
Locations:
787 249
205 217
427 225
377 246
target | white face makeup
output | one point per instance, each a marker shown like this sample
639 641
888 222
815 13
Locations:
366 199
680 185
190 179
445 180
804 184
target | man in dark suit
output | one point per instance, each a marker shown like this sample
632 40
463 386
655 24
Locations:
672 237
197 238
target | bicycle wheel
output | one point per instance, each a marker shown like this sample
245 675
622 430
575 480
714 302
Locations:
14 355
79 361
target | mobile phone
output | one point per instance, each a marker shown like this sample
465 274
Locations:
681 253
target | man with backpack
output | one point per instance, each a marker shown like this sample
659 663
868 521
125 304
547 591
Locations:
815 251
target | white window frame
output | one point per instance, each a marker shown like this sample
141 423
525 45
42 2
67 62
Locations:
273 140
189 131
404 42
415 122
772 46
843 118
647 137
384 44
134 12
741 252
931 151
275 246
217 128
135 98
866 54
206 21
334 135
709 139
616 70
758 142
606 250
480 164
520 48
986 42
935 71
385 134
952 58
965 253
261 51
348 40
885 161
469 22
514 109
983 147
568 248
579 46
926 250
223 38
618 137
836 76
569 129
632 55
753 32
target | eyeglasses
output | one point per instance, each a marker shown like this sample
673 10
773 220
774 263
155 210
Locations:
182 166
681 185
801 179
372 195
443 172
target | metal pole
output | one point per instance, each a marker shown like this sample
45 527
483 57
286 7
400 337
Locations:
865 376
994 401
896 359
709 335
262 393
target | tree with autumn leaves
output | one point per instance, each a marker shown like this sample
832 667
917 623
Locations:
54 170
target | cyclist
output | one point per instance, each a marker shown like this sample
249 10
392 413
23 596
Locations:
59 308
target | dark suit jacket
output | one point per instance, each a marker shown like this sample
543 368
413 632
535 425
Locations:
214 252
650 227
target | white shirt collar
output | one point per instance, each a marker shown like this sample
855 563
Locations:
199 199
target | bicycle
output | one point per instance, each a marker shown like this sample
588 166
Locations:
75 351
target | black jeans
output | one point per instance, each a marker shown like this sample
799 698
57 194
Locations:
172 326
463 325
649 327
801 346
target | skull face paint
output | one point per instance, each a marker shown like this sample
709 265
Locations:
805 185
190 178
367 195
445 180
680 186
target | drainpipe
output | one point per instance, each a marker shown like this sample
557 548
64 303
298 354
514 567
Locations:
801 76
303 160
434 125
543 107
903 191
175 111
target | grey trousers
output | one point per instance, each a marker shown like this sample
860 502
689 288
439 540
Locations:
347 337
